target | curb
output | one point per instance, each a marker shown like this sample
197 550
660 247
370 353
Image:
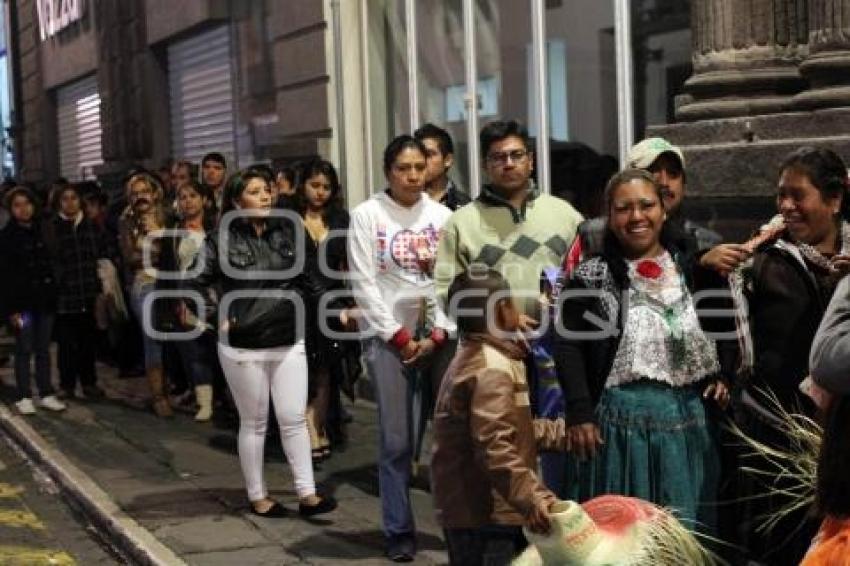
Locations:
135 541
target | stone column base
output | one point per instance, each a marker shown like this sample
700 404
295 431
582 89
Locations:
733 163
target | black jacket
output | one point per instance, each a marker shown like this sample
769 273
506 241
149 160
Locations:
583 365
165 318
243 262
786 306
27 282
454 197
75 250
333 251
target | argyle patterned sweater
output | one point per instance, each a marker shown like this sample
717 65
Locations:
518 243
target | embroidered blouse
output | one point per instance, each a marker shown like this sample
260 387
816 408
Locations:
662 338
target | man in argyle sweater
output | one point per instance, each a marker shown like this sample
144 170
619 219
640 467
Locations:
510 227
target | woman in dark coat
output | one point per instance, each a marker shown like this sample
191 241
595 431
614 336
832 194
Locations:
76 244
28 298
318 199
789 285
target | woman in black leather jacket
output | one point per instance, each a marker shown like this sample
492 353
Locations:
269 288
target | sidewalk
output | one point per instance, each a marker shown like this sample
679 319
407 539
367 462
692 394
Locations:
181 481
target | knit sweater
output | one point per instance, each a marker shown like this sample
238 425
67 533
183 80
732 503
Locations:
517 243
390 251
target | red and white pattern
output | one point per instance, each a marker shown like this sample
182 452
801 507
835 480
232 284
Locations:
415 251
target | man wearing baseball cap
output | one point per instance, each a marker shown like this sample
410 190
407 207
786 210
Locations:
666 162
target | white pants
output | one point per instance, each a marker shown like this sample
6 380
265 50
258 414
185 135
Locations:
252 375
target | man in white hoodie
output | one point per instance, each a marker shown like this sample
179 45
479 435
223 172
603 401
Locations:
392 249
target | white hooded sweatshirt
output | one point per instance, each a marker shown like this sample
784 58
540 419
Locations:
391 254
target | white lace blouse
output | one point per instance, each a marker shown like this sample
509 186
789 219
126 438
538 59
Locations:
662 339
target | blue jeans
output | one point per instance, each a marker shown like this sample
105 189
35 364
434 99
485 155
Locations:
153 349
34 339
196 356
394 393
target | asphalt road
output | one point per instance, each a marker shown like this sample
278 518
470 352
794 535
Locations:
37 526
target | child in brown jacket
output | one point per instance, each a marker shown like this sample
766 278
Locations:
484 464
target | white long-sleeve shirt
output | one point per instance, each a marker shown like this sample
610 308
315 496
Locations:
391 252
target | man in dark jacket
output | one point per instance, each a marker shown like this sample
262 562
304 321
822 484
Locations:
76 246
440 159
666 162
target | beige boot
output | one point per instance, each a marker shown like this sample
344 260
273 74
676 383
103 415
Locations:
204 397
156 380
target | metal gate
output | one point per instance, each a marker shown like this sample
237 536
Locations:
78 124
200 76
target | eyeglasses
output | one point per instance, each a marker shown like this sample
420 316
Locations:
502 157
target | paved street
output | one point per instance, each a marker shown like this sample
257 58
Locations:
181 481
36 525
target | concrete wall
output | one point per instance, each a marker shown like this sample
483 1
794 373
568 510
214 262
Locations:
281 73
70 54
301 76
168 19
37 116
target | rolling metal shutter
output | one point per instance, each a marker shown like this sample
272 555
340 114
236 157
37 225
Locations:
200 81
78 123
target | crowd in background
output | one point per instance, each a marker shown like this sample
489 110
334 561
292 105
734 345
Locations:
628 392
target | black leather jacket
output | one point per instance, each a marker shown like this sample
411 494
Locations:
241 262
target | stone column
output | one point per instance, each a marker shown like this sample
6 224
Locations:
745 58
827 66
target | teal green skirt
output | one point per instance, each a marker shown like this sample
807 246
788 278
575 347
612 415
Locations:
659 446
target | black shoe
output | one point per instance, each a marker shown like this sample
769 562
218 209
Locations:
325 505
401 549
93 392
274 512
65 394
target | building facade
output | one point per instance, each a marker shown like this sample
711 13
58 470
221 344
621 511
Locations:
105 84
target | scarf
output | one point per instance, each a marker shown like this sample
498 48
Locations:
76 219
814 257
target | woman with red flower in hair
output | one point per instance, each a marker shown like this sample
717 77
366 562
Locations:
637 366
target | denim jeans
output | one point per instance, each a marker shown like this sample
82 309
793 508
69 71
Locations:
394 393
34 340
153 348
197 357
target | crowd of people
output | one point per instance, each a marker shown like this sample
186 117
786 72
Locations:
515 322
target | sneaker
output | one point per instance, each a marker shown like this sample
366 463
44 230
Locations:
25 406
93 392
52 403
